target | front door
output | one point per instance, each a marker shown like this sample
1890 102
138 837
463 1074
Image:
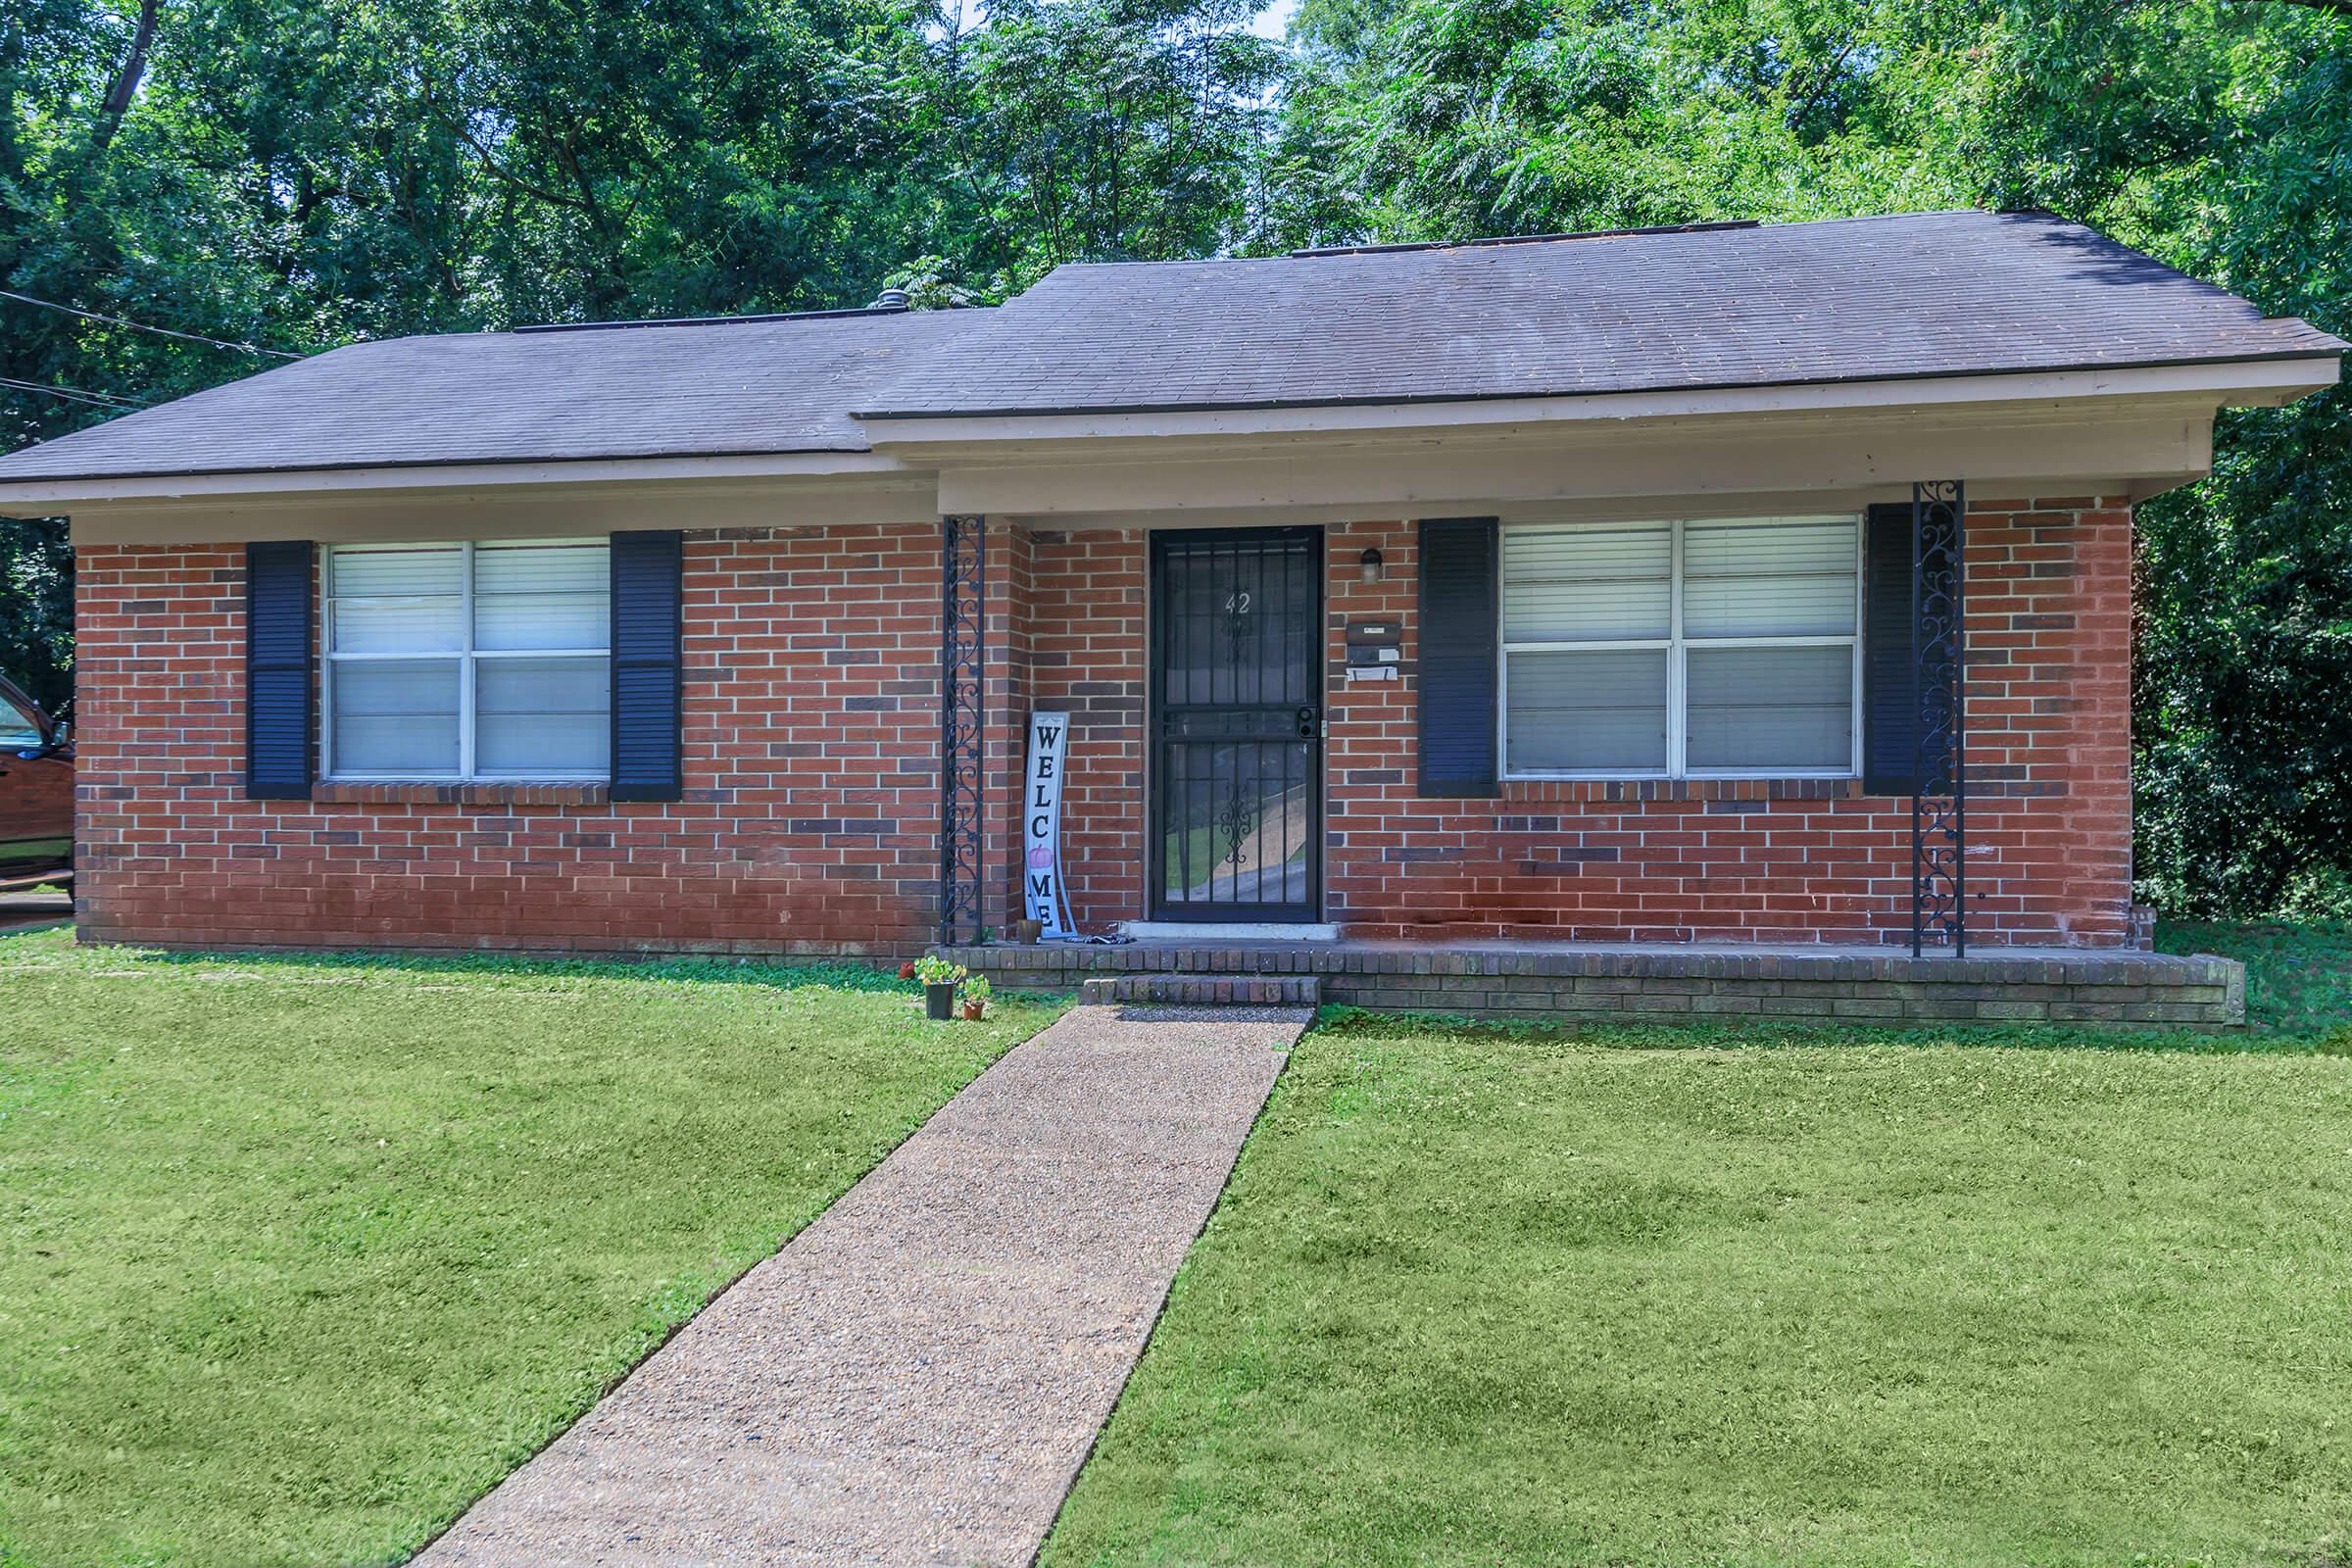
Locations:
1236 725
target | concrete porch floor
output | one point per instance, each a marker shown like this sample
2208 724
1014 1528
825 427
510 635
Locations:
1570 982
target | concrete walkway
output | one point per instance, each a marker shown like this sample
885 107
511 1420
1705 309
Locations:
917 1376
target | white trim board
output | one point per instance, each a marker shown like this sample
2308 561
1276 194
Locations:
427 478
516 511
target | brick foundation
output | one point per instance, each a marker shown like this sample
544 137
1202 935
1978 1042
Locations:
1600 986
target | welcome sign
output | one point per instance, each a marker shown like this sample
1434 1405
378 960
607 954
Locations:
1041 831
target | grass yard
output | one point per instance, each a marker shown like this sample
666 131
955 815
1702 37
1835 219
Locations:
1483 1298
299 1256
2298 974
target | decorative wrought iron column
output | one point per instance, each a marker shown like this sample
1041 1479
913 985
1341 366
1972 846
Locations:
963 557
1939 659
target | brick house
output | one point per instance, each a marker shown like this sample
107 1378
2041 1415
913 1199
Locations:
1590 588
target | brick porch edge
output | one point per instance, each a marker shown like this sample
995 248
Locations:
1599 985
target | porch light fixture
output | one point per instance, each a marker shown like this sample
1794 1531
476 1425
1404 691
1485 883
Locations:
1370 566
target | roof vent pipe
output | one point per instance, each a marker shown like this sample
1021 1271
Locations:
890 299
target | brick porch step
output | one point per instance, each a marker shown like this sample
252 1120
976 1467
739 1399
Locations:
1571 985
1206 990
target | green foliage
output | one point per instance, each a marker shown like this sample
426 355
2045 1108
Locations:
933 970
304 1255
36 609
303 172
1104 130
2215 136
300 174
2299 972
1472 1299
2210 133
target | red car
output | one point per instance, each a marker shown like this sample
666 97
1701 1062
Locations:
37 790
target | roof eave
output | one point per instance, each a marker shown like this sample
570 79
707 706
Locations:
913 443
2264 380
64 491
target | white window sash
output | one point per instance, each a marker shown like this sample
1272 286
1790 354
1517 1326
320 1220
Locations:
1677 648
466 658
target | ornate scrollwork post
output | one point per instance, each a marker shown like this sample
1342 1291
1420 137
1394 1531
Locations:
963 542
1938 658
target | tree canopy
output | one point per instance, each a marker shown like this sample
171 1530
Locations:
298 174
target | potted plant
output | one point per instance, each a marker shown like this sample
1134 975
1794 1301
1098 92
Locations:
976 992
940 978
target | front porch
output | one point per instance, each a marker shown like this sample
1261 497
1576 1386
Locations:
1345 752
1593 984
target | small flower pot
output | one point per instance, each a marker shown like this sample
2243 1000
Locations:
939 1001
1027 932
973 1012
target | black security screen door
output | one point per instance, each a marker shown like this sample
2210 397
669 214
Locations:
1236 751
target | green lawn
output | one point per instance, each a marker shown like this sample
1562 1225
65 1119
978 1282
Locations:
1476 1297
2298 973
296 1258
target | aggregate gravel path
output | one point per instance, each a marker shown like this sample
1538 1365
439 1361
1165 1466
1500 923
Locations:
917 1377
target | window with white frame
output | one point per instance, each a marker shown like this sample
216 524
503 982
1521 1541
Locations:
1707 648
468 661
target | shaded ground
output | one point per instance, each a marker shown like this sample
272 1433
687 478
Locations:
25 908
2299 972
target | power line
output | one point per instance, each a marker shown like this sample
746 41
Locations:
141 326
103 399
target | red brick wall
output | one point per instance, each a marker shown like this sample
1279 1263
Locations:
812 748
1797 862
812 773
1087 656
2049 766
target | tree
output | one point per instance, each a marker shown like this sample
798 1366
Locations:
1105 129
36 609
2212 134
2216 137
305 173
302 173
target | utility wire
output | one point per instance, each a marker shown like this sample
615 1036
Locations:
141 326
103 399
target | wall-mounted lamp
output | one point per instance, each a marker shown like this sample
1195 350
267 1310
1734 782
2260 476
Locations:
1369 563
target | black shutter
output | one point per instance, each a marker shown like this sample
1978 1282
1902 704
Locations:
1890 683
1461 621
647 645
280 719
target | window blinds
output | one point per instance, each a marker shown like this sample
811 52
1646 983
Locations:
470 661
1708 646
